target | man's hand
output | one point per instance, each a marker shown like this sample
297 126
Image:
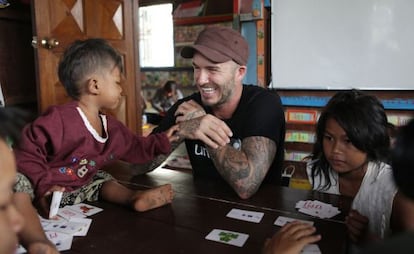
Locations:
208 129
188 110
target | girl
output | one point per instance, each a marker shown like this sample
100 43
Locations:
350 158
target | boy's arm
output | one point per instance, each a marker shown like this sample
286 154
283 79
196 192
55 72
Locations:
38 140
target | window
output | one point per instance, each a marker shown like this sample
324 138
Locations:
156 42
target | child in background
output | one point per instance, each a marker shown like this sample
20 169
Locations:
166 96
13 224
65 148
349 158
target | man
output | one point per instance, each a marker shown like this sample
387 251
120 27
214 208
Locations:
231 131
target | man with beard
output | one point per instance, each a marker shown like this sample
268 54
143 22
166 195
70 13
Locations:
231 130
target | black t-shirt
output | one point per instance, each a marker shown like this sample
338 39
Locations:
259 113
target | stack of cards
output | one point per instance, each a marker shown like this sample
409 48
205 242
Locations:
282 220
67 222
317 208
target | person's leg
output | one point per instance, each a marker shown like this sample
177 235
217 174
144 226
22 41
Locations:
139 200
32 236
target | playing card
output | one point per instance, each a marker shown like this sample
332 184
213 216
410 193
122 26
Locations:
60 240
85 223
20 250
317 208
66 227
45 222
311 249
245 215
68 213
282 220
227 237
85 209
54 205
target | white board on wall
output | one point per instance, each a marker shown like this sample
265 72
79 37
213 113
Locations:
342 44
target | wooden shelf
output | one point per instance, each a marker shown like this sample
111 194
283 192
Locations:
203 20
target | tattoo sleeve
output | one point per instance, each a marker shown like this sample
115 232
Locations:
245 169
161 158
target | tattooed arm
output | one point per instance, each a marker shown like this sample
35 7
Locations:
188 110
245 170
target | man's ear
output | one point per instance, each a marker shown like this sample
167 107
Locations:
93 86
241 72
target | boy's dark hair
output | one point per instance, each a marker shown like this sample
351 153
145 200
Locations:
403 159
12 121
83 58
363 118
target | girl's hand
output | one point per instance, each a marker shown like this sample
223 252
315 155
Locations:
357 225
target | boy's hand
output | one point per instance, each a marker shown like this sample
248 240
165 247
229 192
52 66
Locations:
357 225
43 203
171 133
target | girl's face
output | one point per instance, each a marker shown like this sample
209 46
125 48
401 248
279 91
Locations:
341 154
11 220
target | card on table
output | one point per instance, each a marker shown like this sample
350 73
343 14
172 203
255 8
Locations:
245 215
85 209
227 237
67 227
85 223
317 208
62 241
282 220
67 213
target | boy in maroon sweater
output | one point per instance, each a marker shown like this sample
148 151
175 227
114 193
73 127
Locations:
66 147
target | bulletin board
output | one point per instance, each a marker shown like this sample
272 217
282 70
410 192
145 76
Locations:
342 44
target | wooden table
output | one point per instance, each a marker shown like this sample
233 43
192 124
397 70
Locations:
199 206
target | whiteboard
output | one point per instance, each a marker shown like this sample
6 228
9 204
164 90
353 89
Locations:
342 44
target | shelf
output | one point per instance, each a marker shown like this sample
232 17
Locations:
203 20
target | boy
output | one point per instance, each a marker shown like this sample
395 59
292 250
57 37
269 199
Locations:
65 148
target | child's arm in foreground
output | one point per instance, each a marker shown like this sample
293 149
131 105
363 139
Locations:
32 236
291 239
